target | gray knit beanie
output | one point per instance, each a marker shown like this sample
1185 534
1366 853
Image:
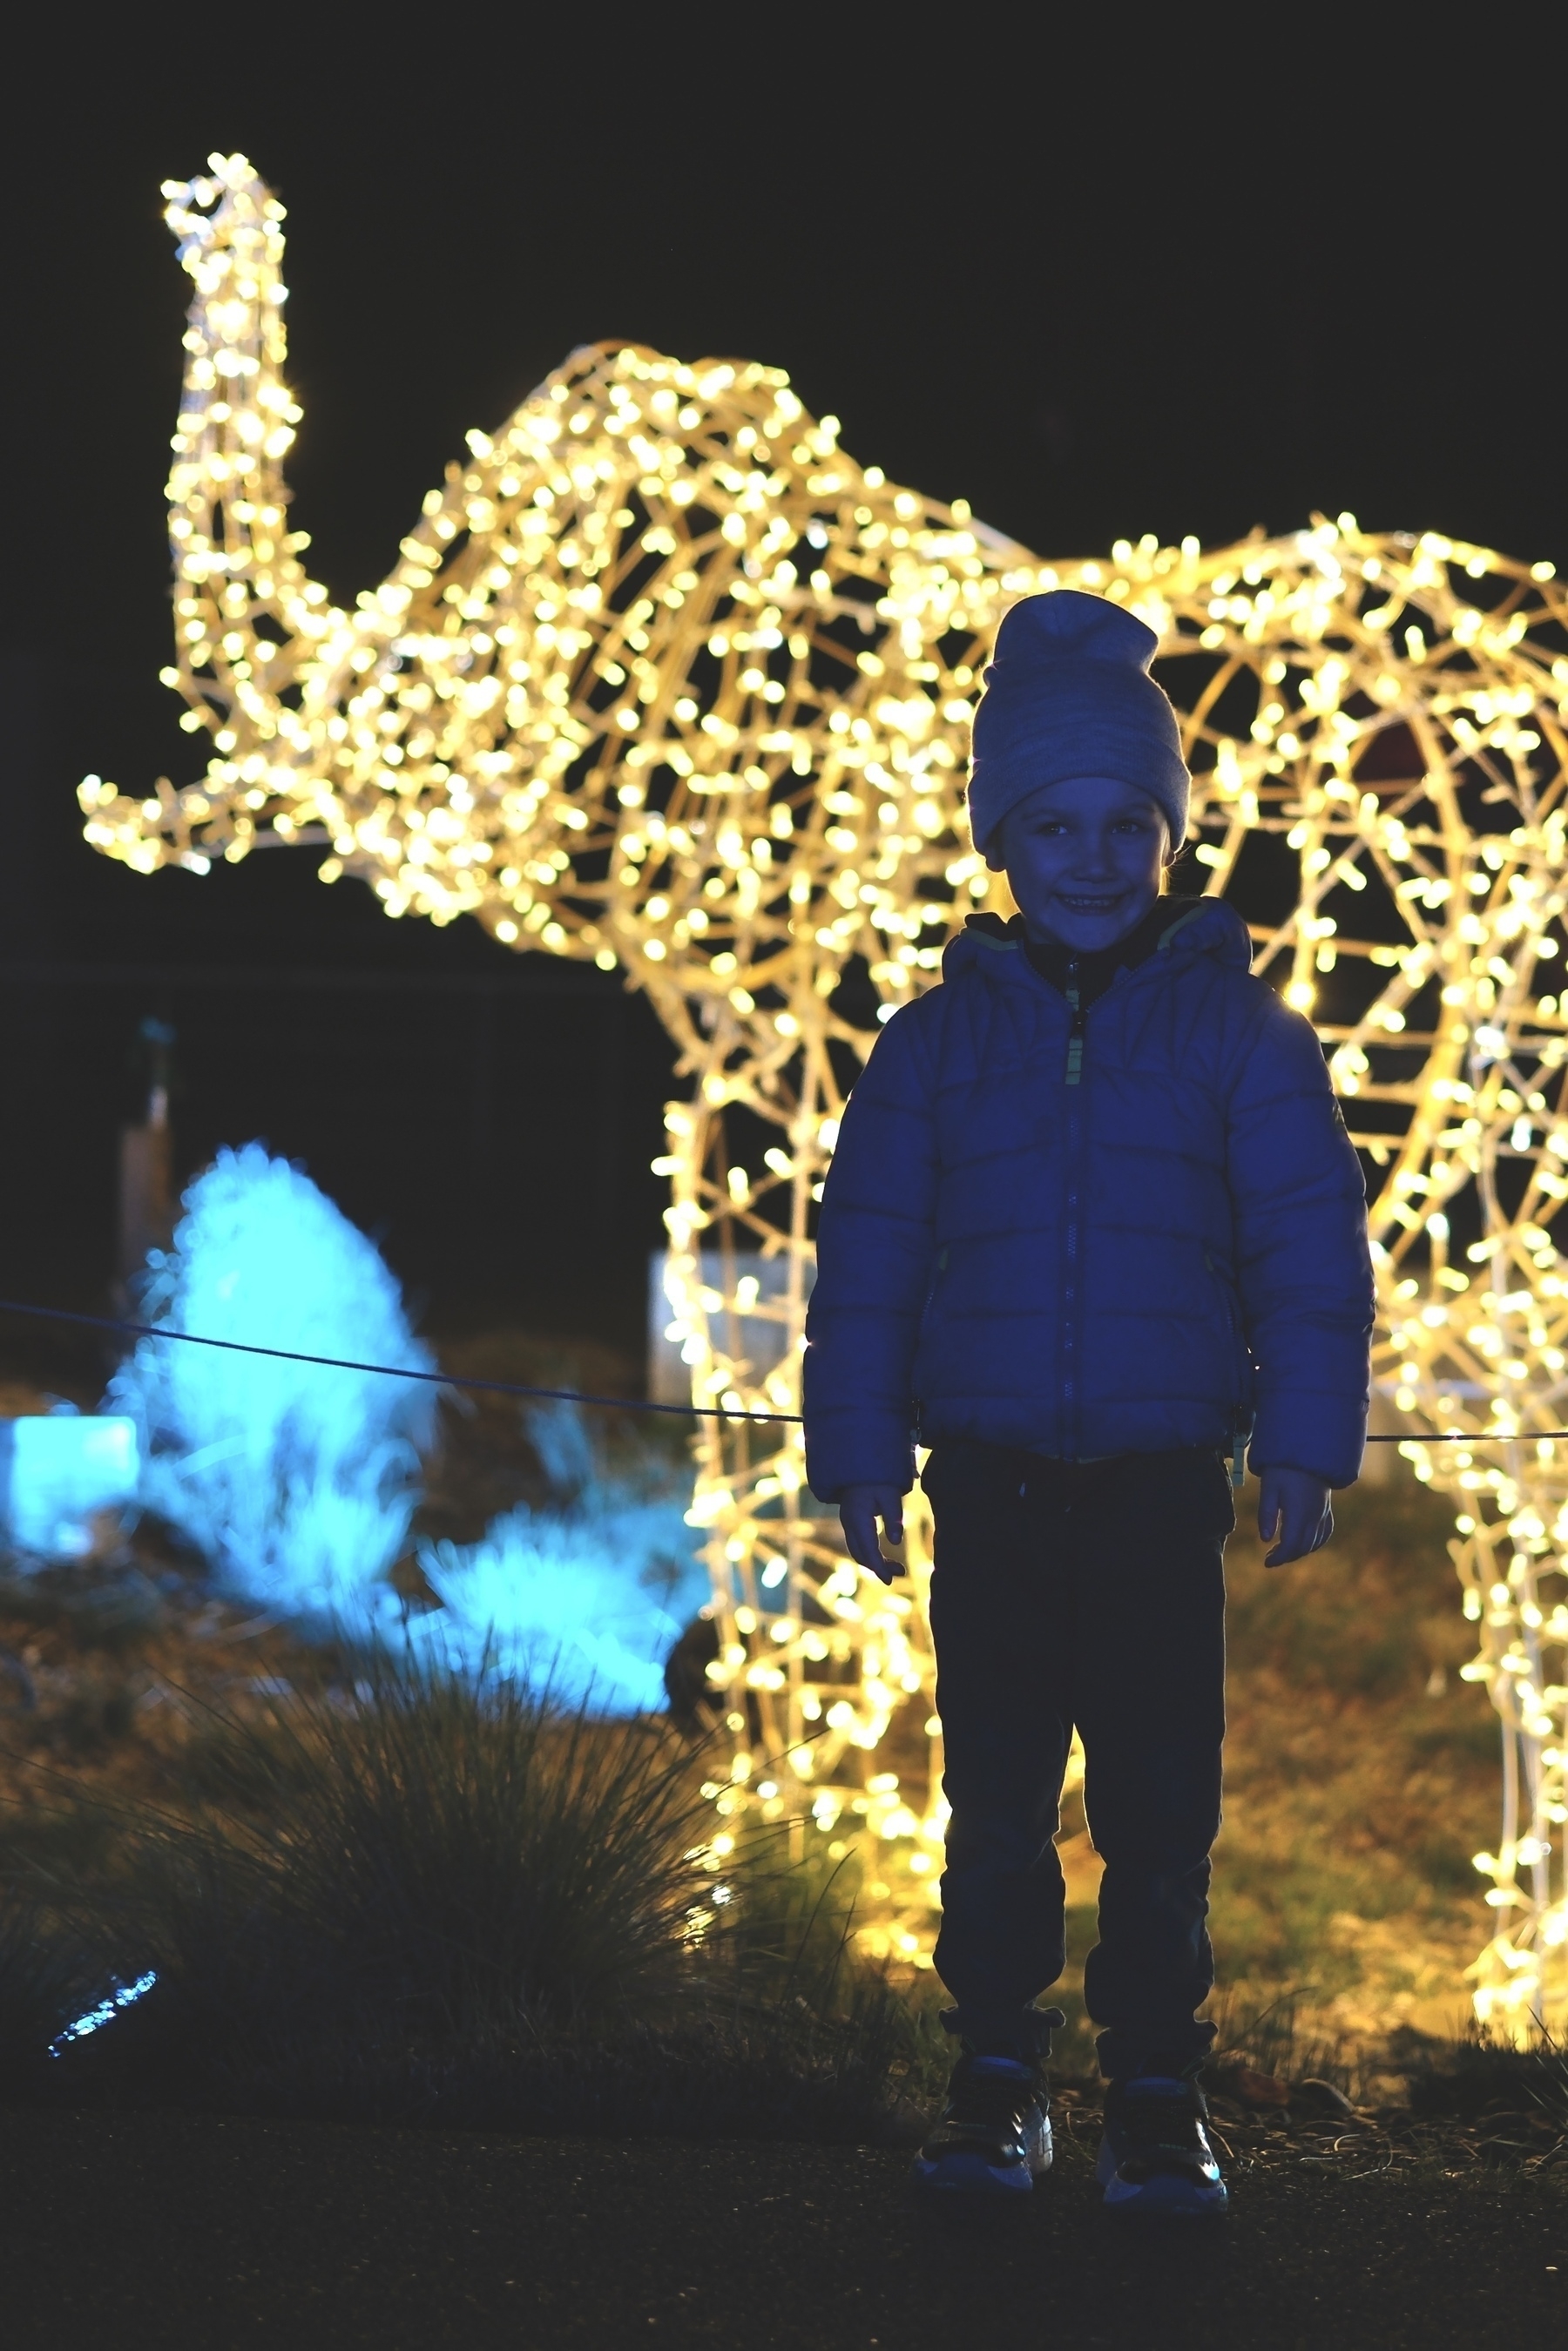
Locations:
1069 694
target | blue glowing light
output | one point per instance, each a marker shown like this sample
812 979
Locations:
58 1470
590 1597
299 1483
108 2008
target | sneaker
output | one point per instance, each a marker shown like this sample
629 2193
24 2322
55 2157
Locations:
993 2135
1154 2155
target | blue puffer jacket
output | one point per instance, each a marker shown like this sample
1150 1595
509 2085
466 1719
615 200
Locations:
1138 1253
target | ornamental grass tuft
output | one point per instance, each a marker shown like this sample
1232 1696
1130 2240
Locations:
433 1901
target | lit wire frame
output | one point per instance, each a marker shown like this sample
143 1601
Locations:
664 680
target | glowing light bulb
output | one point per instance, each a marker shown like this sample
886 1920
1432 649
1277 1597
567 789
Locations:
636 694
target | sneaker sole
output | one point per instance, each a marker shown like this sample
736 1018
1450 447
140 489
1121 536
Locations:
1164 2197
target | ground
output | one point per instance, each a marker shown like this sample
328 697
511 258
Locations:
1361 1772
168 2231
1361 1775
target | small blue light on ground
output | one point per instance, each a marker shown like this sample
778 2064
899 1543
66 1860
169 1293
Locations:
122 1996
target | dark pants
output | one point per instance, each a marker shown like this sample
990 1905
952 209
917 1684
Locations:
1091 1593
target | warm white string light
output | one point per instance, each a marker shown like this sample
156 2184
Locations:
663 679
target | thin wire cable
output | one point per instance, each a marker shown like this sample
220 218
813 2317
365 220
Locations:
385 1371
577 1395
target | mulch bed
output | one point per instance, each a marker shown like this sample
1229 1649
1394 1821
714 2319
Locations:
1265 2127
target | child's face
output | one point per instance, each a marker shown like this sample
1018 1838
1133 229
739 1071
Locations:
1083 860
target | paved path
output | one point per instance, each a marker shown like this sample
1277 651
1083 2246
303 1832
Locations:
127 2231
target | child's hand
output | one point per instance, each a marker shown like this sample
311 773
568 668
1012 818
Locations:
1295 1513
858 1513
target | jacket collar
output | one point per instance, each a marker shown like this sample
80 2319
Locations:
1203 926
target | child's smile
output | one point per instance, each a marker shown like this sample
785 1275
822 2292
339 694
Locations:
1084 860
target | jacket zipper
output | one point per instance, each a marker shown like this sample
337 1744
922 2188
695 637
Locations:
1070 1296
1075 1034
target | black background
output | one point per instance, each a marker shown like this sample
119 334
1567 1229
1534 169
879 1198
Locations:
1225 274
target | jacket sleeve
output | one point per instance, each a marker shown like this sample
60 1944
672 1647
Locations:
1304 1267
875 1248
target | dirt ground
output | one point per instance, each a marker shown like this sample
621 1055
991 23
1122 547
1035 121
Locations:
174 2229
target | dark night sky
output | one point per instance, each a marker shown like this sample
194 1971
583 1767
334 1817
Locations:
1097 284
1098 287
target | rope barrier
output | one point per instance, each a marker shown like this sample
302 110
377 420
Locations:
1471 1437
386 1371
577 1395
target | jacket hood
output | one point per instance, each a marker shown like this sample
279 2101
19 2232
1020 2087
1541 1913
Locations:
1203 926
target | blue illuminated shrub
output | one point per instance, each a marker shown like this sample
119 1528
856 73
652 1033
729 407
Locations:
297 1482
591 1594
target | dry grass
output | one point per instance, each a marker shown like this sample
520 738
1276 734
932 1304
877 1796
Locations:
1361 1775
418 1902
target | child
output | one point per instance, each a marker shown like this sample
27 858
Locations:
1093 1222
